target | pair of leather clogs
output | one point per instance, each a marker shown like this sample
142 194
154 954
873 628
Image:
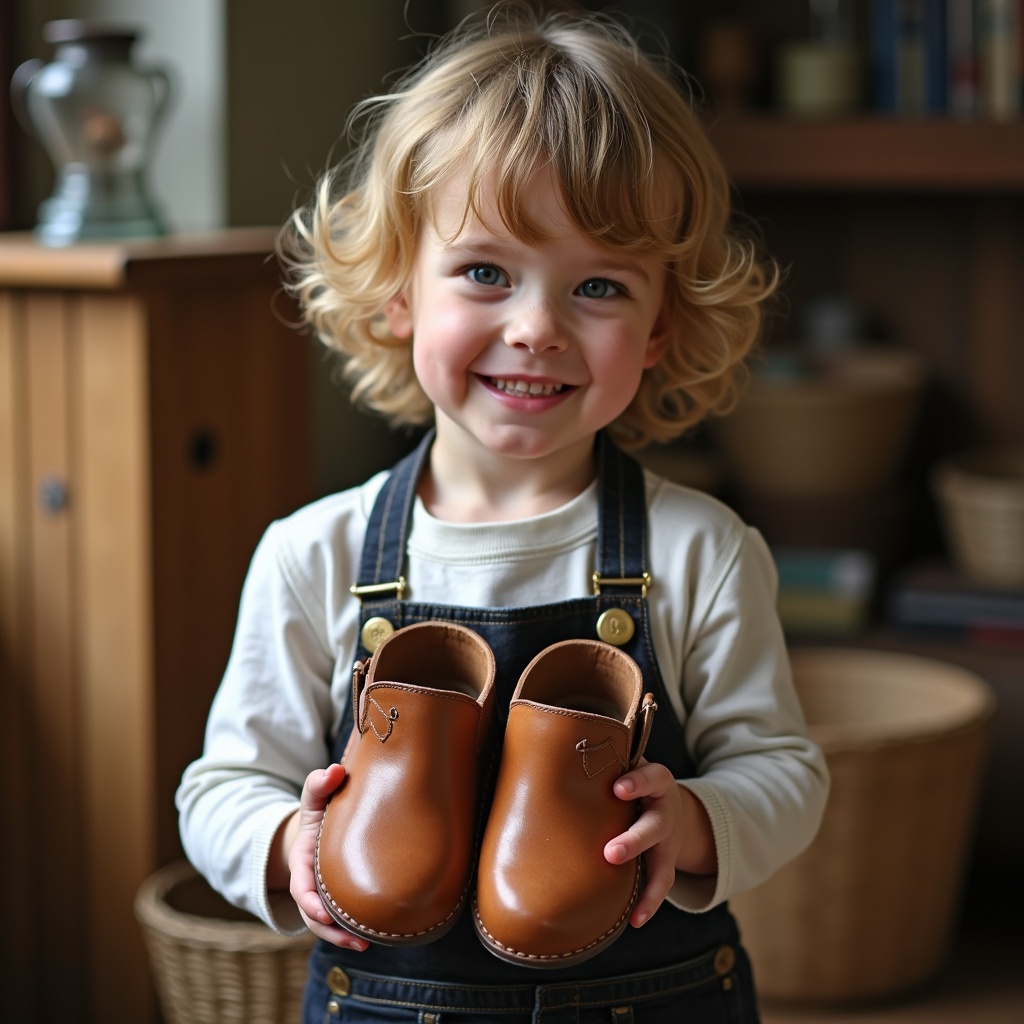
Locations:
398 841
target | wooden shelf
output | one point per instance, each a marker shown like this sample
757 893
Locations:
871 153
24 263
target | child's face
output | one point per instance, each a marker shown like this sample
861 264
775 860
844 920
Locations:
530 349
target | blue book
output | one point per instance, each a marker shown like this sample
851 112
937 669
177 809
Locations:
910 56
885 16
847 571
936 56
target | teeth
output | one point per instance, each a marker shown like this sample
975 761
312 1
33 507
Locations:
523 387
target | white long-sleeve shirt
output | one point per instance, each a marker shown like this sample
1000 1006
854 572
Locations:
716 634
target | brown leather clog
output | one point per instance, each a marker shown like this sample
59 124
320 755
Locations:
394 854
545 895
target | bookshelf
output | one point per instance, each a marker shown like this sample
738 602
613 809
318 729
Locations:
920 220
863 153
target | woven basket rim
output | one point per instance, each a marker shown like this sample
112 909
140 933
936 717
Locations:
840 738
994 472
153 912
857 374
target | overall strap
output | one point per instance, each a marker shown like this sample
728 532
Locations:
381 571
622 524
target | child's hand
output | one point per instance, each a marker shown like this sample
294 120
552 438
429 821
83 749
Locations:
316 792
673 830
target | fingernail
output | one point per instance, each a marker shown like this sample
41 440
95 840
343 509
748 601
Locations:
619 853
641 918
626 785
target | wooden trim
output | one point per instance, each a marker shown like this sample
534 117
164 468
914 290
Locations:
114 612
938 154
24 263
21 922
54 724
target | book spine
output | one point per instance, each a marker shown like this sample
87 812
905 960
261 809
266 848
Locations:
963 60
927 608
848 572
912 58
998 44
884 35
936 56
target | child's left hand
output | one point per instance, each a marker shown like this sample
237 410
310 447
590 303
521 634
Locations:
673 830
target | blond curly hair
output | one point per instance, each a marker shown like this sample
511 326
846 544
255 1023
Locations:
501 98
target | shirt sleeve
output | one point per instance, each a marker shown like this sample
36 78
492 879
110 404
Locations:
760 778
267 729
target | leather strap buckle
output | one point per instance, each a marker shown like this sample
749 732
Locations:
647 709
644 582
397 587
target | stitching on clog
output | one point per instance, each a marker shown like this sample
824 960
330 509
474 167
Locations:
591 769
347 921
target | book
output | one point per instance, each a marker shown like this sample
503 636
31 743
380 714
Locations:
998 30
910 56
824 590
962 59
942 602
838 570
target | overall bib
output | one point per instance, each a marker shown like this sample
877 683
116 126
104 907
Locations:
679 966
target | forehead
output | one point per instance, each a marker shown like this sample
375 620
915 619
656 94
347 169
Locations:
459 204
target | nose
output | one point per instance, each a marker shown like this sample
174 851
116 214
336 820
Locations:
535 326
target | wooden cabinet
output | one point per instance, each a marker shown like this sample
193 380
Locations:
154 417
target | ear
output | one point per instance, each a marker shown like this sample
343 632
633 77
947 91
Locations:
657 342
399 316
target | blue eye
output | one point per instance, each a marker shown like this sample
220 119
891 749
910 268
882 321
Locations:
487 275
598 288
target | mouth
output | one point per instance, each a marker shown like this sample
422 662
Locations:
525 388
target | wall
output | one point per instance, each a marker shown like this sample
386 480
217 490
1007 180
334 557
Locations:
293 72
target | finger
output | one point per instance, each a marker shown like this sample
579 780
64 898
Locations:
319 921
325 782
317 791
336 935
653 780
646 832
660 876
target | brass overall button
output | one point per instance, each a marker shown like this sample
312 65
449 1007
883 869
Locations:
615 626
375 632
337 982
725 960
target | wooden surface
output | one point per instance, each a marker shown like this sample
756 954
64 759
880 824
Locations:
111 265
171 405
858 153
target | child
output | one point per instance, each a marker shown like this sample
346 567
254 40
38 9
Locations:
532 252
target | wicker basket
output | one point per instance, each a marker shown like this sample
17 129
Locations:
868 909
981 495
840 430
213 963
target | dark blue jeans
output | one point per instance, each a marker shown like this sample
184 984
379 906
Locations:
711 989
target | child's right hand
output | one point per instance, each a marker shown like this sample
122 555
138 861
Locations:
316 791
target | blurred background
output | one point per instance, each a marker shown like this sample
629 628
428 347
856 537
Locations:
876 148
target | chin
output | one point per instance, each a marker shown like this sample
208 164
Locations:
528 443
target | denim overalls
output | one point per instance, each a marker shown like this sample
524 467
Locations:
678 966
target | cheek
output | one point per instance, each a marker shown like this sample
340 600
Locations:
619 360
